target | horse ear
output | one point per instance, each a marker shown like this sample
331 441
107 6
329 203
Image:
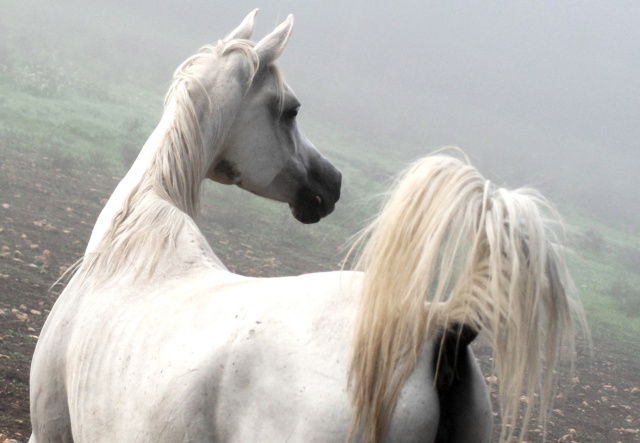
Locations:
271 46
245 29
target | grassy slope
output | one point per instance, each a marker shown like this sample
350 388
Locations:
604 274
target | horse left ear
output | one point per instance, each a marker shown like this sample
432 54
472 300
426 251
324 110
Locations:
245 29
271 46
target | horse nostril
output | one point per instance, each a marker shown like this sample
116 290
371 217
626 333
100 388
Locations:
318 199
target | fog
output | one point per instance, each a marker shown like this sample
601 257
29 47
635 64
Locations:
538 93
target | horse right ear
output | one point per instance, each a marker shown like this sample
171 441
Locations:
245 29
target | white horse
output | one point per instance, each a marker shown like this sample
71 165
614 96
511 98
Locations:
154 340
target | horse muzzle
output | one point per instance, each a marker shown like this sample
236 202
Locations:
318 199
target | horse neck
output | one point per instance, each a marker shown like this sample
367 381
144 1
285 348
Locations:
130 181
149 217
155 169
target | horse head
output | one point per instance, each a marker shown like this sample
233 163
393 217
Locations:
264 150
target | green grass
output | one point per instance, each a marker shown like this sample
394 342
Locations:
81 126
603 279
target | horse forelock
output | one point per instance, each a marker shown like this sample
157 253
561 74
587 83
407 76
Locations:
447 248
246 48
196 66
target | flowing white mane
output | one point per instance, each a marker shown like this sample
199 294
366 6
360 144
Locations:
168 195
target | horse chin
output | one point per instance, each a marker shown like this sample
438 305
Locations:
310 207
306 214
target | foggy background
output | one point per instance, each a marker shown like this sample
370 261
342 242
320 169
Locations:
538 93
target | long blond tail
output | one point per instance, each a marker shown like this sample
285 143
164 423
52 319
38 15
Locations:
448 248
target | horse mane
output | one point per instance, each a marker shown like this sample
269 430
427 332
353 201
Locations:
168 195
449 248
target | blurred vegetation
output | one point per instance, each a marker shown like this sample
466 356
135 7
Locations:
627 296
630 258
592 241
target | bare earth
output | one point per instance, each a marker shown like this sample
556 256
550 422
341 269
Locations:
46 216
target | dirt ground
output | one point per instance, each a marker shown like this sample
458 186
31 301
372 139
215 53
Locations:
47 210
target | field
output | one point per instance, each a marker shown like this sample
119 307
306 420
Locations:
65 142
50 198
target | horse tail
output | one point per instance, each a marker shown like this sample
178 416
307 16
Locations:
450 249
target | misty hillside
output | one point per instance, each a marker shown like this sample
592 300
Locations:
379 85
516 88
543 95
